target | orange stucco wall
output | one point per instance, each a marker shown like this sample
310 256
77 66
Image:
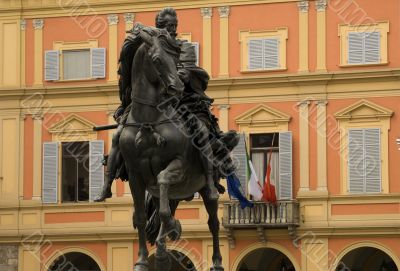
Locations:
54 218
48 250
28 158
361 12
365 209
263 17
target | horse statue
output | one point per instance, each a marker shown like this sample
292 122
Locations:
159 157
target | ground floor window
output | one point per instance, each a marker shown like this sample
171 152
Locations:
366 259
266 259
74 261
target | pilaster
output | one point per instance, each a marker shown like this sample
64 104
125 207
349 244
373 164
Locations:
37 156
112 47
206 13
38 25
23 57
321 146
321 34
224 41
304 146
129 18
303 35
224 117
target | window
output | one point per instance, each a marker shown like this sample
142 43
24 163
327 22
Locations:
75 171
82 171
75 61
76 64
364 161
364 44
263 50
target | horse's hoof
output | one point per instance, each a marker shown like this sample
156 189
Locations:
217 268
174 233
103 196
141 267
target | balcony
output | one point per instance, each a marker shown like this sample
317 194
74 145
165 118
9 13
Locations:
264 215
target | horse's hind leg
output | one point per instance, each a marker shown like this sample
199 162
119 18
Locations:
139 221
170 175
211 205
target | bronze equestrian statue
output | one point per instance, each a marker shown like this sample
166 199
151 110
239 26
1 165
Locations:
167 143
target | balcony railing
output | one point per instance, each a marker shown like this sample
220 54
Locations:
264 215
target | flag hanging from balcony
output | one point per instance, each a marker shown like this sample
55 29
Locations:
254 186
234 190
269 193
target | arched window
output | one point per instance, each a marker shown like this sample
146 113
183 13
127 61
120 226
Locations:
366 259
74 261
266 259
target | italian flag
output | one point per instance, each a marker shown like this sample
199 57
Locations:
269 193
254 186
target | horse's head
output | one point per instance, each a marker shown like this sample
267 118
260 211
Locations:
164 53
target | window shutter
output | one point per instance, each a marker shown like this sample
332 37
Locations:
356 48
372 47
372 143
98 62
197 50
52 66
271 53
356 161
285 166
96 168
240 159
255 54
50 172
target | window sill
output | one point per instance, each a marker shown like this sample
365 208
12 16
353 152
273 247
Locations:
363 65
75 80
266 70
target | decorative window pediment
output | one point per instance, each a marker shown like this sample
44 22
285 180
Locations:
262 116
73 128
363 110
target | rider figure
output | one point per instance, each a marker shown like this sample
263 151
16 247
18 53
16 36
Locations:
195 80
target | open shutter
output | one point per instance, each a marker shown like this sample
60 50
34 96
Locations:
50 172
98 56
356 48
255 54
372 160
96 168
271 53
356 162
372 47
285 166
197 50
52 66
240 158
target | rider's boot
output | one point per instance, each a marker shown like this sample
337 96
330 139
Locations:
106 190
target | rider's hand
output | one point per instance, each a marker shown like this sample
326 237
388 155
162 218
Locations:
184 75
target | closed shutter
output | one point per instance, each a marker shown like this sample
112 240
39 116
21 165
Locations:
364 161
372 160
255 54
356 161
50 172
285 166
98 56
197 50
96 168
271 53
372 47
356 48
52 66
240 159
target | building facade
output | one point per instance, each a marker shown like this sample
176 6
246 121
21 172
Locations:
313 87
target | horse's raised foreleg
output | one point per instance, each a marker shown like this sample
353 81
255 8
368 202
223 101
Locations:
211 205
139 221
170 175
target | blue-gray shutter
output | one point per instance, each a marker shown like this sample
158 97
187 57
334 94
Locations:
50 172
356 161
285 166
372 47
240 159
372 143
197 50
271 53
356 48
98 56
52 65
96 168
255 47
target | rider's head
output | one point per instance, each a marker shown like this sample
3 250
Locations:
168 20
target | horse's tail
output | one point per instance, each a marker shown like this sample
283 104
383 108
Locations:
153 224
